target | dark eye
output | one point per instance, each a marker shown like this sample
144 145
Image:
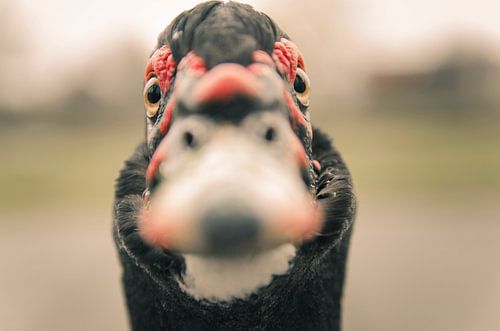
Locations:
299 84
302 86
154 94
152 97
270 134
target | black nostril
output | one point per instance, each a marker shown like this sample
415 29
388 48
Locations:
270 134
189 139
229 233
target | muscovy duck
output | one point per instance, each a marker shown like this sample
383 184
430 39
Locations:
234 213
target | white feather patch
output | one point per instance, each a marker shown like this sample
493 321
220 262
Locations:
217 279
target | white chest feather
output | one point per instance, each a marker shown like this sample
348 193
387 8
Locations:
217 279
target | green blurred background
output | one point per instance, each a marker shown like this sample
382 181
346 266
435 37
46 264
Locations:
410 91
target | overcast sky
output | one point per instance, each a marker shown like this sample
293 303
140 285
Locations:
61 32
78 24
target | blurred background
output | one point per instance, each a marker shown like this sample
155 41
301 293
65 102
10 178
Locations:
410 91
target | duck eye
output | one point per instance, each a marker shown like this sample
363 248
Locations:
154 94
152 97
302 86
299 85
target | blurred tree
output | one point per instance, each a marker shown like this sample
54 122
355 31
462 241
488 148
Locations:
325 31
462 82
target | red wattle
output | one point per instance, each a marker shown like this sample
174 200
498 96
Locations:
162 64
288 58
158 158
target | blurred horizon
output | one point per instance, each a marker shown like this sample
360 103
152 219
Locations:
409 91
362 38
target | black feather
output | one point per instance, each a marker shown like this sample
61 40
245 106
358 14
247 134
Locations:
220 33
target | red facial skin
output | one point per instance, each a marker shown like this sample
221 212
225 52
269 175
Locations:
157 234
301 226
316 165
262 57
229 80
193 62
286 57
300 154
162 65
158 158
167 117
296 226
222 85
224 82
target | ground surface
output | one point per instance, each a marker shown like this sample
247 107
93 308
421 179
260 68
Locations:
425 253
